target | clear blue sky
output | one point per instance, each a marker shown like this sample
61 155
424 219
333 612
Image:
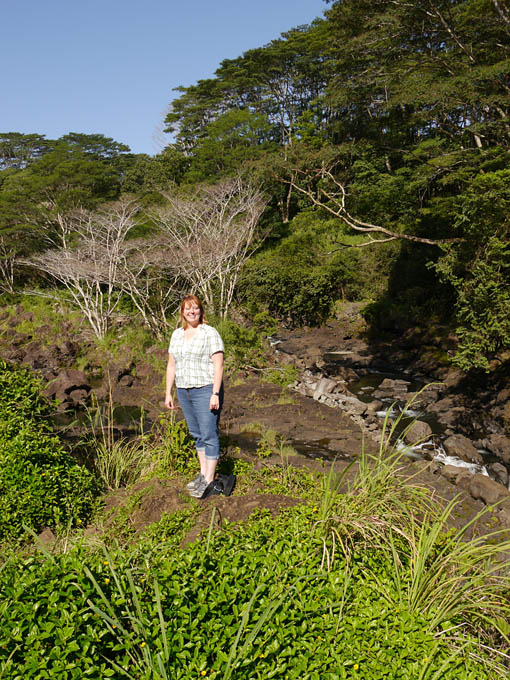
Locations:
109 66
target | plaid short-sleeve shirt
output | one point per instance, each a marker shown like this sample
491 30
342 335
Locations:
193 363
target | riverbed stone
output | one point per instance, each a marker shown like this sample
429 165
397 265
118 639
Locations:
373 407
460 446
420 431
499 473
499 445
442 406
503 510
351 405
487 490
325 386
455 474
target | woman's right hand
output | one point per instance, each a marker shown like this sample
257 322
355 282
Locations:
169 402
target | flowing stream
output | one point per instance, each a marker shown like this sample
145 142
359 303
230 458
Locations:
364 389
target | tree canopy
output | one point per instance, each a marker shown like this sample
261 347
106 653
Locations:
385 119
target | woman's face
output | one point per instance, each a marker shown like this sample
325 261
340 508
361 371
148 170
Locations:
191 313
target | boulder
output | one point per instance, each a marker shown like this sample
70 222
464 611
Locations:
419 432
461 447
325 386
487 490
306 388
394 389
394 385
499 445
68 381
374 406
78 396
442 406
350 405
455 474
504 512
126 380
499 473
503 397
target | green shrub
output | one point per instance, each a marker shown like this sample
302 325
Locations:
40 483
251 602
290 291
243 346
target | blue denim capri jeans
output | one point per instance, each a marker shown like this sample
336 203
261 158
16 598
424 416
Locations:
202 422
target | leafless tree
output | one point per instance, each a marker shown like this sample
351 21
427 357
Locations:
150 278
90 269
7 259
210 235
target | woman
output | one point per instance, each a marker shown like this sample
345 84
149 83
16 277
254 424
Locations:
195 364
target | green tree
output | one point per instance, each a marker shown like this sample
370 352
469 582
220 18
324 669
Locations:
479 270
150 174
17 150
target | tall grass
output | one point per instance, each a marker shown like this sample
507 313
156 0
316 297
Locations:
460 584
118 461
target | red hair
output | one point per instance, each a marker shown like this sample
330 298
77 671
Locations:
188 300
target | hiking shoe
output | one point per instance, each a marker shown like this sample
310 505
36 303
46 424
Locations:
215 488
229 482
198 490
191 485
223 485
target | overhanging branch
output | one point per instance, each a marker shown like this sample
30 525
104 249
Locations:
333 202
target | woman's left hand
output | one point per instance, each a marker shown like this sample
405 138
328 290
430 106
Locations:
214 402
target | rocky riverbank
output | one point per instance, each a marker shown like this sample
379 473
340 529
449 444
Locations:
459 422
322 419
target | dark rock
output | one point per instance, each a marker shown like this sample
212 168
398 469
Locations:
499 473
453 378
499 445
452 417
68 349
144 371
67 381
420 431
15 354
487 490
454 474
34 355
503 510
394 385
442 406
79 396
503 396
126 380
463 448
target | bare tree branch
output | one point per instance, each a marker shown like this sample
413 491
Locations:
313 186
210 236
7 260
90 271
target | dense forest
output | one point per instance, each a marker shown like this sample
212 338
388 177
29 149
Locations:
363 156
